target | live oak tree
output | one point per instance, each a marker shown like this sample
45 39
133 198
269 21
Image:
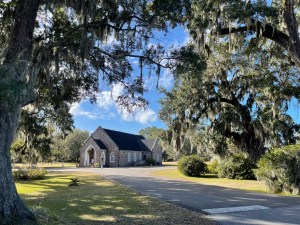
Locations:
55 52
275 20
248 110
244 96
35 134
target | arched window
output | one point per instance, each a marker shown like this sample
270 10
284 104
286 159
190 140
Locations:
134 157
129 156
112 157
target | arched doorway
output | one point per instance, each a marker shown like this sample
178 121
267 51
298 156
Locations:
89 156
102 159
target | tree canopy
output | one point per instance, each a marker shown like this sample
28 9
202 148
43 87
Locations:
151 132
249 81
240 74
56 52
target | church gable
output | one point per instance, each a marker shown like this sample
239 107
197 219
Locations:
114 148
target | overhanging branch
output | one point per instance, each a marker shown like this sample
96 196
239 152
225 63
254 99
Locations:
268 32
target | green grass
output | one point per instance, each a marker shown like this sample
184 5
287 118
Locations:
47 165
169 163
211 179
98 201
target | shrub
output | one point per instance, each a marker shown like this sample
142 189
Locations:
238 167
280 169
212 167
192 166
150 162
29 174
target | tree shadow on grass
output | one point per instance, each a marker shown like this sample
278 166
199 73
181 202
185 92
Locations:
210 175
97 201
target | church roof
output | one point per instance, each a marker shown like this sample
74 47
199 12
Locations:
100 144
126 141
148 143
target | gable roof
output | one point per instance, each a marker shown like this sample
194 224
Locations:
126 141
99 143
151 144
147 143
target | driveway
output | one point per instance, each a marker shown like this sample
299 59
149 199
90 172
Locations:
225 205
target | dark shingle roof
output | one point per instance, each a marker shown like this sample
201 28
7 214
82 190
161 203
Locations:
100 144
126 141
151 144
147 143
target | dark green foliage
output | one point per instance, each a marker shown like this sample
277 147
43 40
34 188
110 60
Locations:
212 167
73 143
192 166
280 169
29 174
34 138
248 108
150 162
151 132
237 166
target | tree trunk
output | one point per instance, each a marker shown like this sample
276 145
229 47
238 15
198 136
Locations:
14 89
12 208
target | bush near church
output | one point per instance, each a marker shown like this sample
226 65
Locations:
280 169
29 174
192 166
237 166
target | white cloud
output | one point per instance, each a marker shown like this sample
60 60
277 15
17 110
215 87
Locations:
135 62
106 100
166 80
145 116
108 108
76 110
140 115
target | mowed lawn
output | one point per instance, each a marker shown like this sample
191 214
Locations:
47 165
98 201
211 179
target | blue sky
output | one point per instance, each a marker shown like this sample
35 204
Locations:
107 114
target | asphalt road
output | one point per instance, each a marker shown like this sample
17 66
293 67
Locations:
225 205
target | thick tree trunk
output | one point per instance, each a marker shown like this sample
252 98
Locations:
14 90
12 208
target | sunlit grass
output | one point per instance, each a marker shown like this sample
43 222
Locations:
249 185
169 163
47 165
98 201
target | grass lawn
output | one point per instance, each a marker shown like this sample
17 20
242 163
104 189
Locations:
98 201
48 165
169 163
209 179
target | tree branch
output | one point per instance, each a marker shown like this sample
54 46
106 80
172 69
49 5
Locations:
268 32
292 27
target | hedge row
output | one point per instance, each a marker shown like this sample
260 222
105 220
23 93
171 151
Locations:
279 169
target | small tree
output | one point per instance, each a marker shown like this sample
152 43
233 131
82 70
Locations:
73 144
237 166
280 169
192 166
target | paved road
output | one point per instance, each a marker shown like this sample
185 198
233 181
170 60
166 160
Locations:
225 205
